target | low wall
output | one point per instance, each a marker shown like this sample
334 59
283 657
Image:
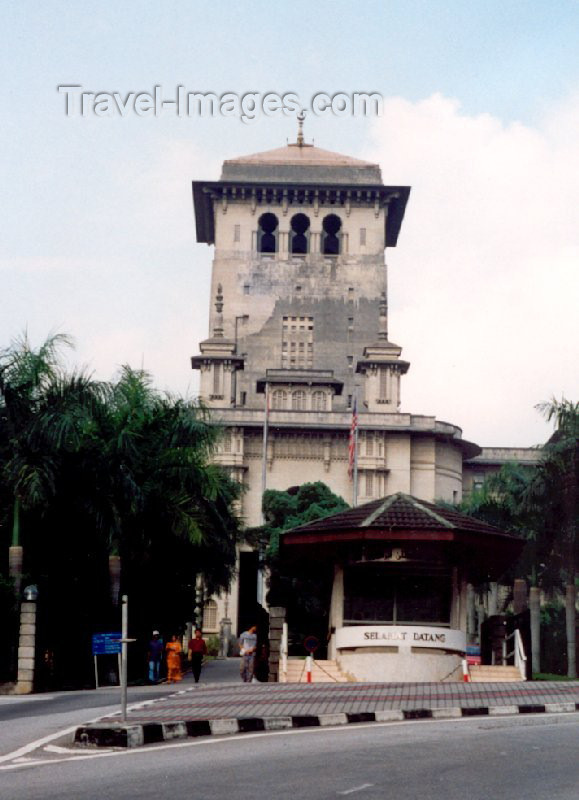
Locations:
398 654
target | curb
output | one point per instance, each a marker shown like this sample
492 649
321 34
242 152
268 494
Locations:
117 734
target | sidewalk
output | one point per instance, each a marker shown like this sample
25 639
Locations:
215 709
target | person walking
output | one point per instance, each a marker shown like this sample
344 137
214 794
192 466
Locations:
173 652
196 649
154 657
247 646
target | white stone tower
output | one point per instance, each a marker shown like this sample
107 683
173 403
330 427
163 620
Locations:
299 315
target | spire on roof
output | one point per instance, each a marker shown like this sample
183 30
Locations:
300 141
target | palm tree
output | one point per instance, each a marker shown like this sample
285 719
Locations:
28 467
154 479
555 490
44 413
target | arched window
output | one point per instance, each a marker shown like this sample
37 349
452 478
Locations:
298 401
300 235
279 399
331 235
267 233
319 401
210 616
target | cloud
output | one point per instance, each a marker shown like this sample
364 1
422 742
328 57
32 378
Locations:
483 283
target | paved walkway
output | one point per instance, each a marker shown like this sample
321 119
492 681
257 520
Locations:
225 706
291 699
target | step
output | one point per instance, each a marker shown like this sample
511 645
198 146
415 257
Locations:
322 672
487 673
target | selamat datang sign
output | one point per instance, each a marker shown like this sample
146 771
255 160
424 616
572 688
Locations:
401 636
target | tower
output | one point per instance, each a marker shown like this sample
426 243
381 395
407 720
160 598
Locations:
299 325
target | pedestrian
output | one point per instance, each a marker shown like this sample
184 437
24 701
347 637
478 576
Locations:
173 651
154 657
196 649
247 645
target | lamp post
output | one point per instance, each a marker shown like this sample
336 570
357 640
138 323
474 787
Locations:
27 641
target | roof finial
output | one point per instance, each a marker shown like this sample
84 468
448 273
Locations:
301 117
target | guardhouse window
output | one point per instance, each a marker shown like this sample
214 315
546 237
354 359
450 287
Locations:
300 235
267 233
331 227
376 594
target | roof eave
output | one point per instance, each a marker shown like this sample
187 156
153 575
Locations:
204 217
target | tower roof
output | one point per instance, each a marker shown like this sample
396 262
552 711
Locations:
301 163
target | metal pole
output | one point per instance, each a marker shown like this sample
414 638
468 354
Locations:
264 450
260 578
124 644
355 486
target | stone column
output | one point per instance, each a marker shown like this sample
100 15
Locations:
520 602
276 621
535 609
26 648
336 609
224 637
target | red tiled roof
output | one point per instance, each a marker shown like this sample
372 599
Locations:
397 512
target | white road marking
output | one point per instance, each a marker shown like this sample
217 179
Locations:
215 741
54 748
357 788
11 699
209 741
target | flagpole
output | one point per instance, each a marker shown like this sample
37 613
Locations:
260 596
355 487
264 453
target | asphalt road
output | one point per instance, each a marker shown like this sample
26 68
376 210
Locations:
530 758
24 719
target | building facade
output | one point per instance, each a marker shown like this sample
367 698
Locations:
299 336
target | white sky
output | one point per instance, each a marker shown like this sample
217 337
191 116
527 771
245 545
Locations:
481 118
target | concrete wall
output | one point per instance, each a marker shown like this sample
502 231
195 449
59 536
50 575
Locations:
448 483
401 667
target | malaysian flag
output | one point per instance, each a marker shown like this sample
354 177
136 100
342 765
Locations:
353 441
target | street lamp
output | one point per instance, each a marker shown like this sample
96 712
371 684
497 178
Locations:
31 593
27 641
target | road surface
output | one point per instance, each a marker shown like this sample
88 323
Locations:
530 757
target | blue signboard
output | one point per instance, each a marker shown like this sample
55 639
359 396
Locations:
106 644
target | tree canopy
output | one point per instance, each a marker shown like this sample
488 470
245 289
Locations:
539 503
92 470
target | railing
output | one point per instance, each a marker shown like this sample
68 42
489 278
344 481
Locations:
283 654
518 652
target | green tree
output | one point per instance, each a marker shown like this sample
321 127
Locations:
540 504
43 412
305 593
92 470
148 459
554 495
